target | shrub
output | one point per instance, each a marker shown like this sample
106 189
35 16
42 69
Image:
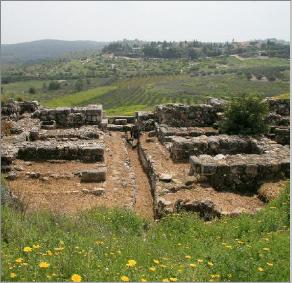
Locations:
32 90
246 115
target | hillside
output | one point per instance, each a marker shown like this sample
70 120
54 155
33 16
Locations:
45 49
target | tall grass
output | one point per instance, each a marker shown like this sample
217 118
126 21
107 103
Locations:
97 245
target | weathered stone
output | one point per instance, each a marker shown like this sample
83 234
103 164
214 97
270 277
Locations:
243 171
120 121
94 175
88 151
179 115
11 176
165 177
165 132
182 148
205 208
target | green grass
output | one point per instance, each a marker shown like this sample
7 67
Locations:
283 96
97 244
79 98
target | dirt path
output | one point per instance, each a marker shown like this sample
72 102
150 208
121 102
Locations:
144 201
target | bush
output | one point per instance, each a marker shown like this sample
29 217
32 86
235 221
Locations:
54 85
246 115
32 90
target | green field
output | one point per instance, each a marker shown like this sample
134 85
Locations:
98 244
136 94
124 86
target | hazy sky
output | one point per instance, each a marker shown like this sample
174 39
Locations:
106 21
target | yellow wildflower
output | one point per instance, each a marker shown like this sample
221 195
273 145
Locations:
125 278
13 275
143 280
260 269
240 242
19 260
199 260
214 276
188 257
76 278
266 249
270 264
49 253
210 263
192 265
163 266
156 261
36 246
27 249
172 279
131 263
44 264
152 269
165 280
59 249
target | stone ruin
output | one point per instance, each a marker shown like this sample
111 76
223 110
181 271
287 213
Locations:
181 151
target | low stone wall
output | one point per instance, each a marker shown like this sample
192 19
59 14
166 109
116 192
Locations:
13 109
84 132
243 171
71 117
8 155
115 120
279 106
182 148
165 132
87 151
145 120
280 134
179 115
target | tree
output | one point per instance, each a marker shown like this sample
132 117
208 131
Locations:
32 90
54 85
246 115
79 85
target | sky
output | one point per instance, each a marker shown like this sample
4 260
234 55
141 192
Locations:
24 21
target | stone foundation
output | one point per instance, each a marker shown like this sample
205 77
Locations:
71 117
182 148
165 132
179 115
87 151
243 172
84 132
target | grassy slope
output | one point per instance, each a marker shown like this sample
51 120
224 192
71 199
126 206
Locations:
98 243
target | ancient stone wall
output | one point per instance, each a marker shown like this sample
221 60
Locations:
182 148
179 115
87 151
71 117
165 132
243 171
13 109
279 106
